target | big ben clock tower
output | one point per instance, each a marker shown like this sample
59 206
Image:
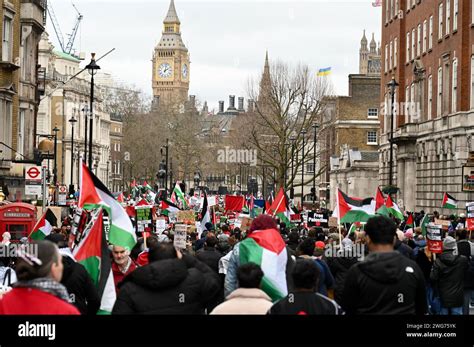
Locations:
170 64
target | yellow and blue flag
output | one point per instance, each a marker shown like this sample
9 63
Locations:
324 72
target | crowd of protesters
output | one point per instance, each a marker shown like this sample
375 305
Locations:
383 269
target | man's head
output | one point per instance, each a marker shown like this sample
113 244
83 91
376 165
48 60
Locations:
293 237
162 251
380 230
211 240
249 275
305 274
461 234
6 236
305 248
449 244
46 263
120 255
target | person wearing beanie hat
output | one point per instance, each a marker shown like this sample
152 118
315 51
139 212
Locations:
447 275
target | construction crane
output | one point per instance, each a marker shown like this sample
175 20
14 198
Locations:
65 47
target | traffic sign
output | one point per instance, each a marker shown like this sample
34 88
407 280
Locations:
62 189
33 173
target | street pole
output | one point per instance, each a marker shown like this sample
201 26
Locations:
43 172
72 121
292 191
392 84
91 121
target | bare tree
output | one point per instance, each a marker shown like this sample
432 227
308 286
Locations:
288 102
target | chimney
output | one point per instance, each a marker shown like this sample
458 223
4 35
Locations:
250 105
241 104
221 106
231 102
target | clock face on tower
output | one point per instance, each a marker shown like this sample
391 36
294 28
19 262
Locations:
165 70
185 71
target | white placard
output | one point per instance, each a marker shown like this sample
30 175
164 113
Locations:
160 226
211 201
180 238
33 190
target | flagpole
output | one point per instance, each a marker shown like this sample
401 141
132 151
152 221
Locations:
339 216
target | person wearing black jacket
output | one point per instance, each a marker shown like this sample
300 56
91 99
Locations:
447 275
209 255
304 300
465 249
385 282
82 291
172 283
340 265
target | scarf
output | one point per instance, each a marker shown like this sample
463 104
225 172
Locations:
47 285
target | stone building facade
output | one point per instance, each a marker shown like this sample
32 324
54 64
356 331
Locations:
429 52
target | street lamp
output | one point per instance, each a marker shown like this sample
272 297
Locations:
303 133
166 150
315 129
55 170
73 120
197 180
92 68
392 85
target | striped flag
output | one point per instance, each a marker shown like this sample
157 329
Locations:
394 209
350 210
94 194
92 252
324 72
449 202
44 226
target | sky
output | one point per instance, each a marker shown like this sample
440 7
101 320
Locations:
227 39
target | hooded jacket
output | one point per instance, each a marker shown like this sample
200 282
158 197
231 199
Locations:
447 275
171 286
339 267
384 283
82 292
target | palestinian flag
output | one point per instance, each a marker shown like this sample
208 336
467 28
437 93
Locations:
266 248
410 221
168 207
94 194
394 209
424 222
178 196
205 214
449 202
44 226
350 210
379 199
147 186
92 252
353 228
280 208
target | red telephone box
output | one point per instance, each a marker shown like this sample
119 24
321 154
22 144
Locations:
18 219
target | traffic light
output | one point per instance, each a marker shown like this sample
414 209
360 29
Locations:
72 192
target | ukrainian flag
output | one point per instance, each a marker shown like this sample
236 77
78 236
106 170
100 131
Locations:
324 72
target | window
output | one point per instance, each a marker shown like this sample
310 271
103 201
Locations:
21 131
391 56
387 10
118 168
7 38
118 147
439 99
413 43
430 42
407 101
392 3
309 167
395 52
454 92
418 48
455 15
440 21
386 57
430 96
448 17
371 137
396 7
6 127
373 113
408 48
425 28
412 113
